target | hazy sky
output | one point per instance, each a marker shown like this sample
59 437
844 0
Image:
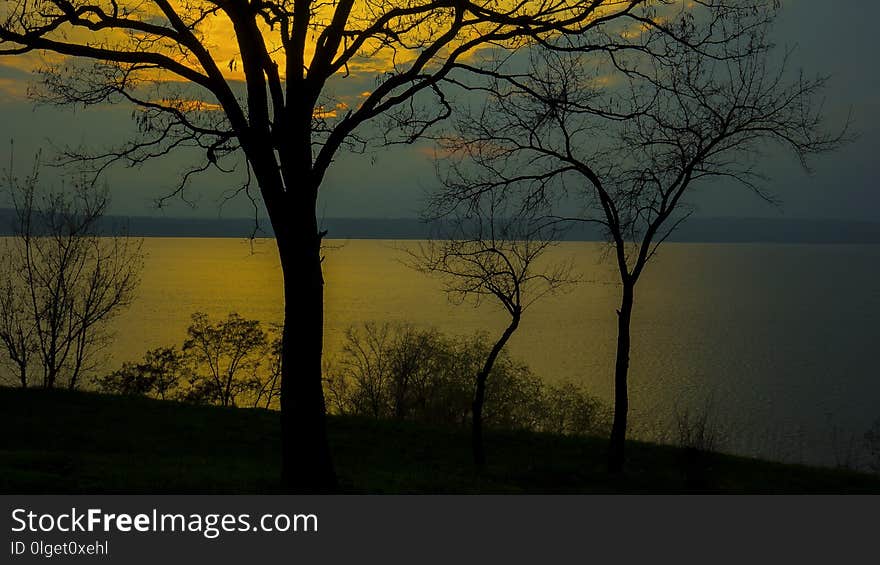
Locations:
835 38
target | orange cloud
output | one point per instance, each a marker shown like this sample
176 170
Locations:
218 36
189 105
12 89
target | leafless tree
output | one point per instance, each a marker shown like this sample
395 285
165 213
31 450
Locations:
16 331
385 369
229 362
400 371
265 90
63 280
229 353
624 141
491 248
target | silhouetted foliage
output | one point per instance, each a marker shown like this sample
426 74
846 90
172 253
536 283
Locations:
488 248
569 410
61 280
227 354
228 362
161 374
399 371
698 429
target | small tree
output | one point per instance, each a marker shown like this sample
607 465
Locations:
161 375
16 332
227 362
226 355
439 376
366 364
631 151
490 249
570 410
63 280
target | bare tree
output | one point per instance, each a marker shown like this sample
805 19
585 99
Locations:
230 351
490 248
63 280
16 331
265 90
431 375
229 362
365 363
625 142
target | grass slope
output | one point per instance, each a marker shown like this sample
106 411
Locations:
76 442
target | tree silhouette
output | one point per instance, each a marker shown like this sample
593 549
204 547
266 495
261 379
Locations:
230 351
159 375
626 149
490 248
230 362
230 76
63 279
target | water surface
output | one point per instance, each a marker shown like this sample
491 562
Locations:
781 340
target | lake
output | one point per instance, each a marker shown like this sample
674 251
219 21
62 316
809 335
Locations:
780 341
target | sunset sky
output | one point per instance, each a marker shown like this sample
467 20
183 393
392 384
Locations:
832 38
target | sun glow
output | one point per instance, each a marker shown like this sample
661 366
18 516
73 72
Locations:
379 37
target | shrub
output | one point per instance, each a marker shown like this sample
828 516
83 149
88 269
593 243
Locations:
699 430
570 410
227 362
159 375
399 371
388 371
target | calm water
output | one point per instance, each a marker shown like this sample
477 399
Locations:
780 339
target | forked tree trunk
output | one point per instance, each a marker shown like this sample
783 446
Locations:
479 401
621 371
306 464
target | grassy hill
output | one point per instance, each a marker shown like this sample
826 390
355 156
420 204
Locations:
77 442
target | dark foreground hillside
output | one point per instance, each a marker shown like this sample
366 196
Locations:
75 442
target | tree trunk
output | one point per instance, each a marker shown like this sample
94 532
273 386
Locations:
49 379
306 465
400 394
79 355
479 451
74 376
227 390
621 370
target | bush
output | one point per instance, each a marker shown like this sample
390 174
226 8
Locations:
399 371
385 371
699 430
570 410
228 362
159 375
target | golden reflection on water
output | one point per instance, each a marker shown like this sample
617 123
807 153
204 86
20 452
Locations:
366 281
779 336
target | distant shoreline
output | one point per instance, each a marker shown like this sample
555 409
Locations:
695 230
